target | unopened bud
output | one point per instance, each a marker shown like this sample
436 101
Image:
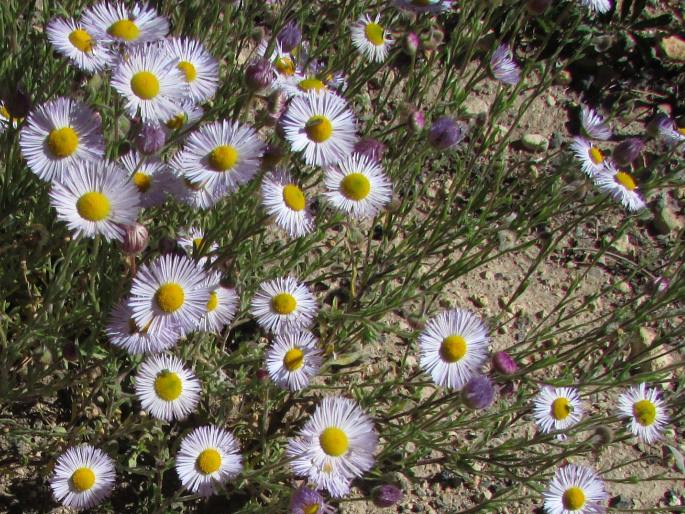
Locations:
504 364
149 139
371 148
411 43
445 133
259 74
660 285
417 120
136 239
386 495
626 152
478 393
289 36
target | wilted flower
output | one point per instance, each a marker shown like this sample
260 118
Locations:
478 393
626 152
504 363
445 133
386 495
371 148
503 67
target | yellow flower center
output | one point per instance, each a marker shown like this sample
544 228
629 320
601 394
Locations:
318 128
223 158
334 442
81 40
4 112
83 479
293 197
453 348
213 301
284 303
681 130
188 70
124 29
355 186
177 121
312 508
285 66
142 181
374 34
170 297
63 142
644 412
208 461
168 385
596 155
574 498
626 180
145 85
561 409
93 206
197 243
311 84
293 359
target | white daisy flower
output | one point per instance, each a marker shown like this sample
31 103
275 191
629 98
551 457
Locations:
601 6
302 84
424 6
83 477
293 359
117 24
186 115
192 240
286 201
321 126
208 457
370 38
593 124
168 292
124 333
200 69
283 304
149 175
575 490
591 158
621 186
96 199
454 347
72 41
59 136
221 307
557 408
335 446
223 155
646 411
358 186
151 83
166 389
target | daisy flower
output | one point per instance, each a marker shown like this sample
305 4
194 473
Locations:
71 40
293 359
221 307
321 126
453 346
59 136
591 158
646 411
557 408
335 446
223 155
187 114
593 124
357 186
207 458
96 199
575 489
286 201
168 292
283 304
370 38
115 23
148 174
307 501
284 62
621 186
200 69
124 333
424 6
192 240
665 128
83 477
166 389
503 67
601 6
151 83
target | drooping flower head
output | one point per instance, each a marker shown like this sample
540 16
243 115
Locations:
503 67
593 124
621 186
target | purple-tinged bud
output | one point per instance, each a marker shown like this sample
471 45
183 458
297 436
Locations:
504 364
411 43
386 495
658 123
259 74
289 36
537 7
417 120
136 239
445 133
262 374
18 103
660 285
371 148
478 393
626 152
149 139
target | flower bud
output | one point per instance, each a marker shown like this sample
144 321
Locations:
18 103
537 7
417 120
504 364
371 148
136 239
626 152
657 124
386 495
411 43
259 74
289 36
445 133
478 393
660 285
262 375
149 139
